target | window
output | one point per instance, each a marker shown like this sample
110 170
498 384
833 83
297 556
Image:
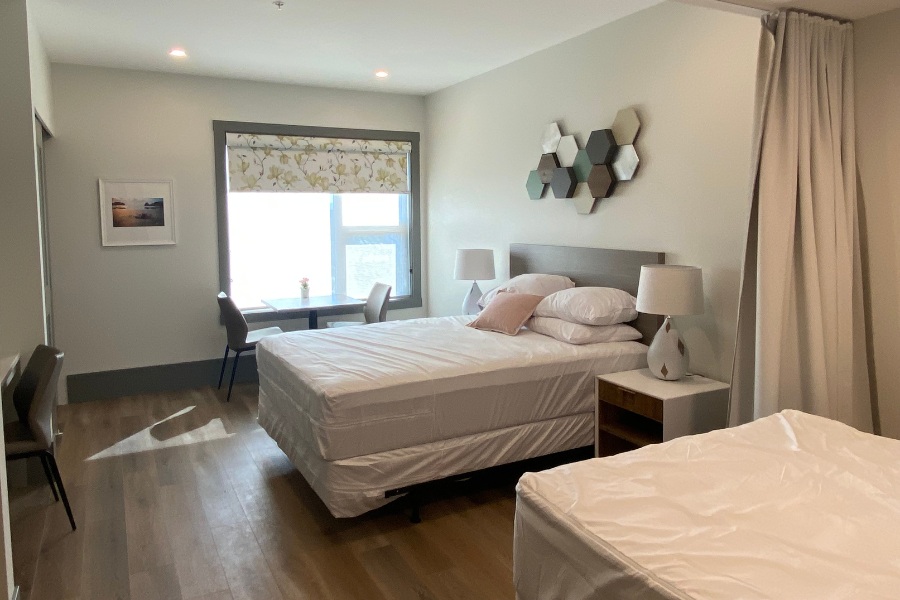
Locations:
337 206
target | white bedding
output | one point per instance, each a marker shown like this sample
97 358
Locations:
790 506
363 390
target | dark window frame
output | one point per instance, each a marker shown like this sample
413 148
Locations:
222 128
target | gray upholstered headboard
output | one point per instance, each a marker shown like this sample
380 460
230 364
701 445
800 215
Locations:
590 267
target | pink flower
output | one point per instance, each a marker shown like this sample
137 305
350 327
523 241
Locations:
304 283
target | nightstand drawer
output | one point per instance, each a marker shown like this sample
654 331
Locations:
635 402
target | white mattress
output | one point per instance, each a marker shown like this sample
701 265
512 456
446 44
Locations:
790 506
353 486
356 391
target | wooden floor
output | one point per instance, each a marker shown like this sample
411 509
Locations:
181 496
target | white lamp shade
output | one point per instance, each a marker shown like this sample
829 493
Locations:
670 290
474 264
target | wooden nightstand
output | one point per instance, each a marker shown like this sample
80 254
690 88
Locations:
634 408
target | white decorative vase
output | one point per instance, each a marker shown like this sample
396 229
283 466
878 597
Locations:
304 292
668 356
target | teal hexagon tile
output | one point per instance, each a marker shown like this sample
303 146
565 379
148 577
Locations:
535 186
582 166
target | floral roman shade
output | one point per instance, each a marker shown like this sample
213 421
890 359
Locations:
281 163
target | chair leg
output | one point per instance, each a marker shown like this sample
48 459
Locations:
237 355
222 372
49 477
62 490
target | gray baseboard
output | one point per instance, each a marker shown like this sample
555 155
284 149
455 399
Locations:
84 387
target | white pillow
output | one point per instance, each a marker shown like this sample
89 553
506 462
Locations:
531 283
576 333
589 306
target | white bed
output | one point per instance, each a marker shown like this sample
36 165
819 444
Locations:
790 506
392 392
366 412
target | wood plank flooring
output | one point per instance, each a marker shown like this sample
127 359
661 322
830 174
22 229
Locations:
203 505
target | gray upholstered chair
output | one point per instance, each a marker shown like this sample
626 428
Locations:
376 307
34 433
240 338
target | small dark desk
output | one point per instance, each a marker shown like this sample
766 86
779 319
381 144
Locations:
310 307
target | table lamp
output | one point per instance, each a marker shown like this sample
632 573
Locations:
669 290
473 264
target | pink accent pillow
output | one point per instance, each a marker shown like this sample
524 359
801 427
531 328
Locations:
506 313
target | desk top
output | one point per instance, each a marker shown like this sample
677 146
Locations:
312 303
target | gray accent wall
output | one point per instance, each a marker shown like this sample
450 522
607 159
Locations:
689 72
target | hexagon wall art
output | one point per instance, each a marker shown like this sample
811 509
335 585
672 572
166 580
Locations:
608 157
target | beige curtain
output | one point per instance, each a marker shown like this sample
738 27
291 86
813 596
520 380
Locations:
801 334
281 163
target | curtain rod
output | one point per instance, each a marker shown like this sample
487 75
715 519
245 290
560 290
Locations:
790 9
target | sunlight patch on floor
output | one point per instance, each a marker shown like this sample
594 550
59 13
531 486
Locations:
161 435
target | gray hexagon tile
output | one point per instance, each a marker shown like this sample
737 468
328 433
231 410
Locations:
584 206
535 186
626 163
567 151
546 166
626 126
601 181
564 182
551 137
601 147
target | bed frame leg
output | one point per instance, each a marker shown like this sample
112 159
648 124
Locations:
414 516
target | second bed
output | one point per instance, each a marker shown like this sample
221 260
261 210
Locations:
366 411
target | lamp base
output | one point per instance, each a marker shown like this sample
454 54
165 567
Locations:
470 302
668 357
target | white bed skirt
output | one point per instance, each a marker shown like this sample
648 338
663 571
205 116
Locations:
350 487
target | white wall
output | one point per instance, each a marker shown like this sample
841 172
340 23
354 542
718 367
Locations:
121 307
878 147
21 311
690 72
41 96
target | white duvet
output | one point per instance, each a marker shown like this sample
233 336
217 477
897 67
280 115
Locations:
791 506
361 390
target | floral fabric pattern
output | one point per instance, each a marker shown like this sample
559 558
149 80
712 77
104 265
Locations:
280 163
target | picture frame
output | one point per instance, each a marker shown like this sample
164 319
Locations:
137 212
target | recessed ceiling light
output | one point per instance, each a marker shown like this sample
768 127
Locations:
177 53
381 73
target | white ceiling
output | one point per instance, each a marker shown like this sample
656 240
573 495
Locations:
425 44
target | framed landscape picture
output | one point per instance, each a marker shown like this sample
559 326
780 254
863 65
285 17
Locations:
136 212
